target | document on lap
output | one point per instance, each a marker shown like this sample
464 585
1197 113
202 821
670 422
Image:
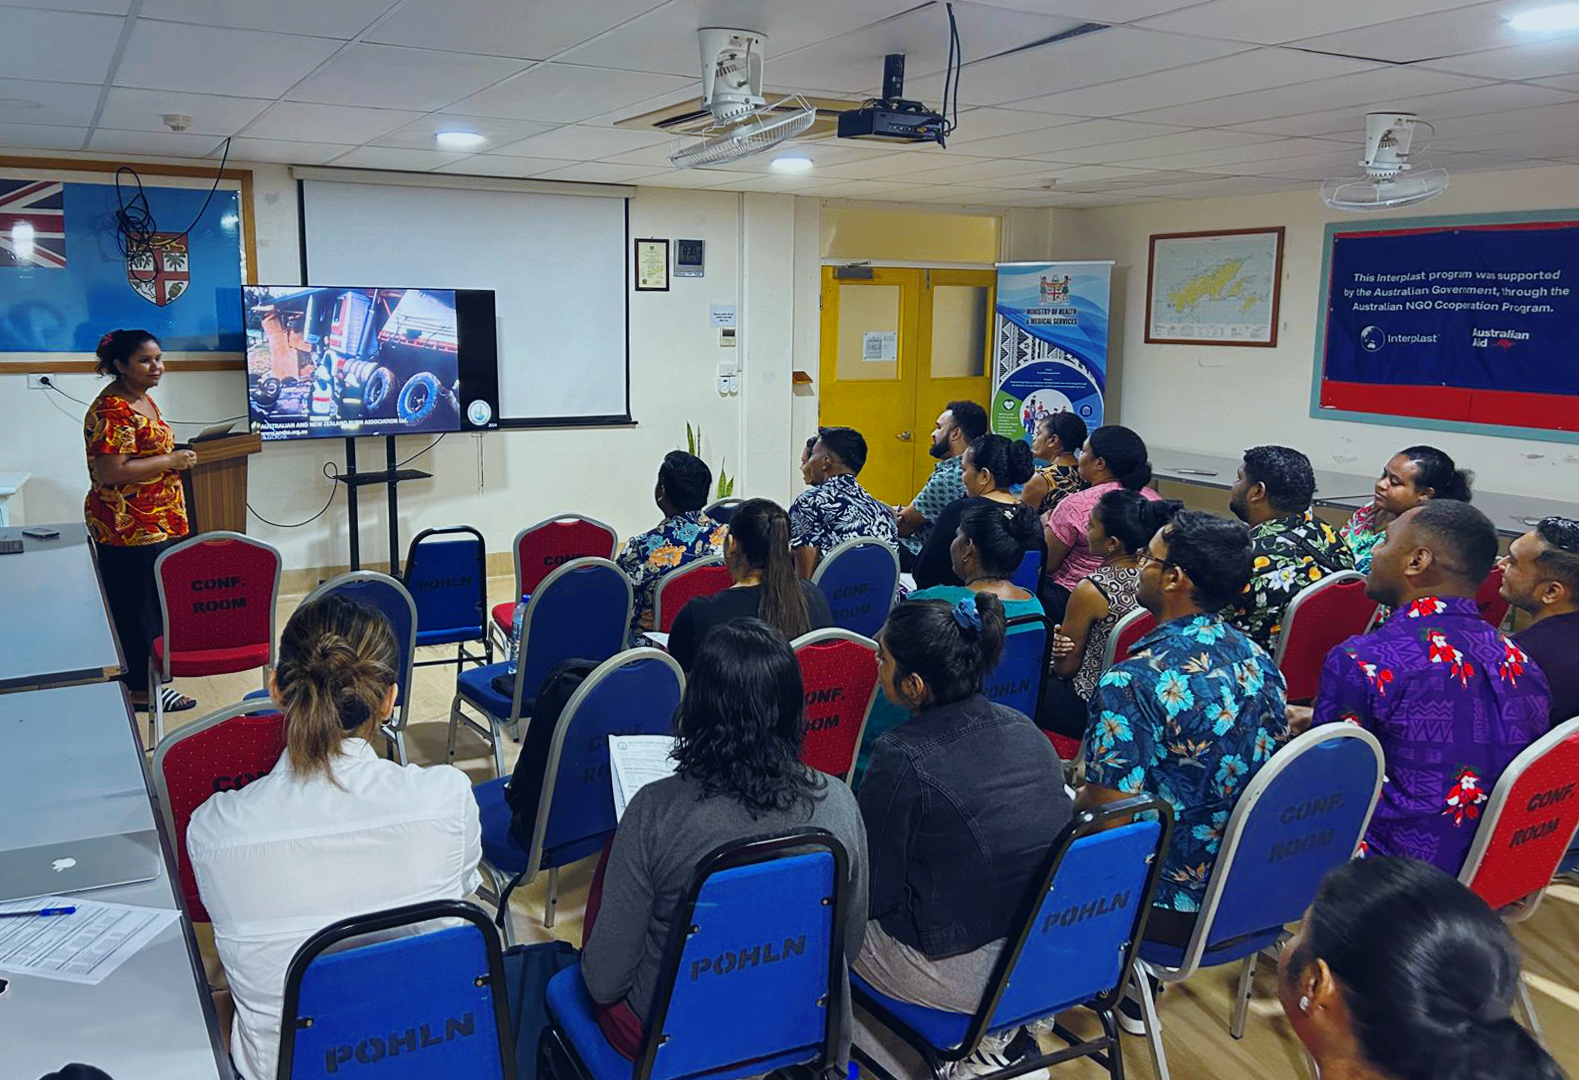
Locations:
634 762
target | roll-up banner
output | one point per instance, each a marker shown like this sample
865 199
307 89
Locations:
1049 343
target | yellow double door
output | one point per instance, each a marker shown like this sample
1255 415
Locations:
898 344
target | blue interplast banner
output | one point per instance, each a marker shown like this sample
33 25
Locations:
1049 343
68 282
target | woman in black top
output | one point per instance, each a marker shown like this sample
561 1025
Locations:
991 466
757 553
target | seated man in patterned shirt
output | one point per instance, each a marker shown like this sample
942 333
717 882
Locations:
684 535
1451 700
835 508
1193 713
1290 547
959 425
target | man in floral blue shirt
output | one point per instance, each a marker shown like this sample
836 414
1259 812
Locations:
1192 714
959 425
684 535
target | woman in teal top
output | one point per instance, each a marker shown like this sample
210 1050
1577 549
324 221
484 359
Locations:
989 546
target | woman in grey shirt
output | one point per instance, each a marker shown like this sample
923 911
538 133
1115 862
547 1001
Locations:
738 776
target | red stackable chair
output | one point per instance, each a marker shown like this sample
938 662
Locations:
704 577
1488 598
1525 831
839 670
1322 615
543 548
217 594
1130 629
224 751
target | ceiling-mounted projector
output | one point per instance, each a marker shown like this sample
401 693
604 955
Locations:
891 117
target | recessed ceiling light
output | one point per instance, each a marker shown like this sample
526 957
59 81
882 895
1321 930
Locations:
1555 19
460 140
19 103
791 163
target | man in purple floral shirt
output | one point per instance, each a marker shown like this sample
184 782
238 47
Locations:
1451 700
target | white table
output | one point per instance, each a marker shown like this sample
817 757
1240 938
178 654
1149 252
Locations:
54 625
11 485
71 767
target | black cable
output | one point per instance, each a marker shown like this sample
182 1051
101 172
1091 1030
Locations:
948 74
333 488
956 61
419 453
50 385
135 227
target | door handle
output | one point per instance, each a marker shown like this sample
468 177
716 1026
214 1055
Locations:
903 436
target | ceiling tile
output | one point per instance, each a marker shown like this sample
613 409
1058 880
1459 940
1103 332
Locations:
1536 120
898 164
176 144
102 7
201 59
1562 82
140 110
868 189
575 143
342 19
1232 156
420 134
1223 187
567 93
1442 33
1532 60
285 151
501 165
1347 124
1155 146
52 44
305 122
984 172
1244 72
1274 23
598 172
690 178
534 29
1106 11
1550 140
391 77
387 157
47 104
983 123
775 184
691 94
1037 144
664 40
1361 91
855 60
41 137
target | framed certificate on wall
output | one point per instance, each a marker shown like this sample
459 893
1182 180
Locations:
652 265
1214 288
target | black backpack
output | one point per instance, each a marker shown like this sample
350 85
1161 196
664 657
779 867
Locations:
526 782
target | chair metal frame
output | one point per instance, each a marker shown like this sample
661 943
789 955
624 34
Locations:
491 733
855 542
706 562
728 502
834 633
1221 872
501 885
159 674
1500 794
1104 1049
462 657
1110 647
1304 597
515 555
728 856
360 925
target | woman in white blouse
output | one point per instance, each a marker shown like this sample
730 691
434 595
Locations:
334 830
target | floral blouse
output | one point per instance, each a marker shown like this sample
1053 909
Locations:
142 511
1362 533
648 556
1286 555
1061 480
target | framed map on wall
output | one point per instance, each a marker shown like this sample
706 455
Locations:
1214 288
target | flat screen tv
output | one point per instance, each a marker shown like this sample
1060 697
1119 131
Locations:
337 361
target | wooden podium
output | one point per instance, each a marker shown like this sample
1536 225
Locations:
216 487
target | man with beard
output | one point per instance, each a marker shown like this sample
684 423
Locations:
1540 577
1290 547
959 425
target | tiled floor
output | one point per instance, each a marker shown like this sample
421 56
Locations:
1195 1016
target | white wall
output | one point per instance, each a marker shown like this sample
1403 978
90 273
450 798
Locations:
503 481
1221 400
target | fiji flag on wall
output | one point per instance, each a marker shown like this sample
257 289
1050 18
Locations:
64 280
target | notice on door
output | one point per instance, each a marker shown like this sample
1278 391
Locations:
880 346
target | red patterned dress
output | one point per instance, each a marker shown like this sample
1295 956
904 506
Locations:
143 511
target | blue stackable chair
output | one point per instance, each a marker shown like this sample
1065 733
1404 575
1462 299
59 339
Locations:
633 693
447 576
751 974
860 578
722 509
1072 944
582 609
1028 575
415 1006
1018 678
1303 814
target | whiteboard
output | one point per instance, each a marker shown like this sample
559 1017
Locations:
556 264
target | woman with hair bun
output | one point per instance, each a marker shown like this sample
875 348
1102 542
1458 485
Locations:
991 466
135 508
967 793
1057 441
334 830
1410 477
1398 972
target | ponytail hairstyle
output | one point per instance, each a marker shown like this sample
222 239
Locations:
117 347
338 659
1427 970
951 646
1124 452
1437 472
1132 519
1009 460
760 529
1001 534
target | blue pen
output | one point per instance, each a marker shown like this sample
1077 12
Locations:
37 914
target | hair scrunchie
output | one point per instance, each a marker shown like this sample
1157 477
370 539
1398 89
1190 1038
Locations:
106 339
966 615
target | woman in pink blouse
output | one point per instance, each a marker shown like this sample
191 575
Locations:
1113 457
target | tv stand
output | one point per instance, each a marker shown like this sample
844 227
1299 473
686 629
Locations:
389 476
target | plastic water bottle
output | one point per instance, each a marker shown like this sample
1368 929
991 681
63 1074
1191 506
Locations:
515 635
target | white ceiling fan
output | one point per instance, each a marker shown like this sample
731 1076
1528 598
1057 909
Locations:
740 122
1390 181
